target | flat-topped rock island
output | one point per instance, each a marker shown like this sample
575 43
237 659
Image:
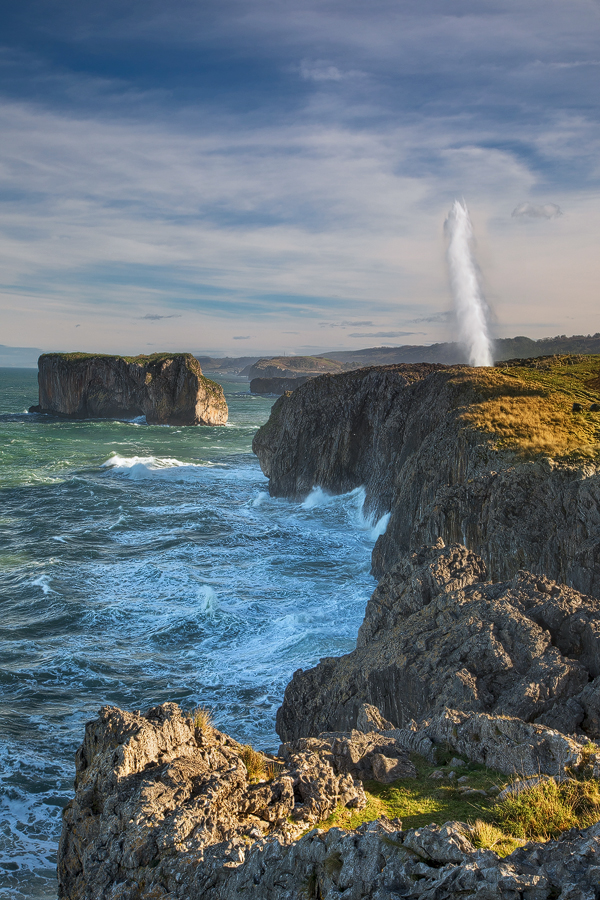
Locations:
166 388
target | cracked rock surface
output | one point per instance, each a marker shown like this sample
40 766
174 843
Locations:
436 635
162 811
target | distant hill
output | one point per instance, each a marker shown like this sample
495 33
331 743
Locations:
291 366
19 357
230 365
520 347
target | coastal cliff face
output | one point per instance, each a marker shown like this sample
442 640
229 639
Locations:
164 809
436 635
167 389
276 385
412 435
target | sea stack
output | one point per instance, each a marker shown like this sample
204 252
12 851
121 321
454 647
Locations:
166 388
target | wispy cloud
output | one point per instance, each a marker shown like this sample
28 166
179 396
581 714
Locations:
155 318
290 164
317 70
533 211
385 334
358 324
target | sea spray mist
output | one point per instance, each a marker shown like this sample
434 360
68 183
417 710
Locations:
470 307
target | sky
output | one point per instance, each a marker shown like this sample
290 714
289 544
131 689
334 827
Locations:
244 177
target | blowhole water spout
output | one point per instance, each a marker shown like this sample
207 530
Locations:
469 305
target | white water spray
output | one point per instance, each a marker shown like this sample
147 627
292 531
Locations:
469 305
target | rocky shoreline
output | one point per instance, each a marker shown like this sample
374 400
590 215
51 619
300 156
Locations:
463 650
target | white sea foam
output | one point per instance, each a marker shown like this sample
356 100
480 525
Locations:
379 527
317 497
139 468
207 597
43 581
260 498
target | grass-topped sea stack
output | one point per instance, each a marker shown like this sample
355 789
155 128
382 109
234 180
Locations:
166 388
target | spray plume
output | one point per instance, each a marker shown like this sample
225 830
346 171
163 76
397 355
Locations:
469 305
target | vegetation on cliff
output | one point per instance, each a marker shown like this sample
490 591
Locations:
528 405
467 792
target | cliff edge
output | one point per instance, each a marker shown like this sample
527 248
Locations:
504 460
169 808
168 389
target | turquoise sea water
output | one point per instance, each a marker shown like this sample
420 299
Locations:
140 564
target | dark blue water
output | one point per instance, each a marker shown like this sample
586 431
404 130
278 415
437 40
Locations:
140 564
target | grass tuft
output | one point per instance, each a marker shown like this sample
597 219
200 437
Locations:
202 719
545 810
487 836
255 762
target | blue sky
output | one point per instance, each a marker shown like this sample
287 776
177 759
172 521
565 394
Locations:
265 177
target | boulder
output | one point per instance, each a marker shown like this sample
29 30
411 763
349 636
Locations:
155 793
168 389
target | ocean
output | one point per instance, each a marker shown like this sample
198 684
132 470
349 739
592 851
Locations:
141 564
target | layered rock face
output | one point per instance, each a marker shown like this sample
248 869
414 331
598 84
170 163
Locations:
167 389
166 810
165 807
437 635
400 432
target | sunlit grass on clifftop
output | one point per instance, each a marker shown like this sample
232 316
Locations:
541 812
529 407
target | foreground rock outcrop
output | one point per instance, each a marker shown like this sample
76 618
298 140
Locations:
436 634
162 804
168 389
164 809
406 433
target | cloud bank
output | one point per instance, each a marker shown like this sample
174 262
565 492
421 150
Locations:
213 166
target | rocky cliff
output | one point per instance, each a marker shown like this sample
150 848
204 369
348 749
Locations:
164 808
276 385
492 458
169 389
436 635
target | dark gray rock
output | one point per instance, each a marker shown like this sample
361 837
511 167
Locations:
166 810
167 389
434 636
400 432
277 385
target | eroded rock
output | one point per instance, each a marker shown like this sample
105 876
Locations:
436 636
168 389
399 431
151 789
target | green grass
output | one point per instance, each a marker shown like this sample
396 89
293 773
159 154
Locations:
549 808
141 359
422 800
540 813
529 407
